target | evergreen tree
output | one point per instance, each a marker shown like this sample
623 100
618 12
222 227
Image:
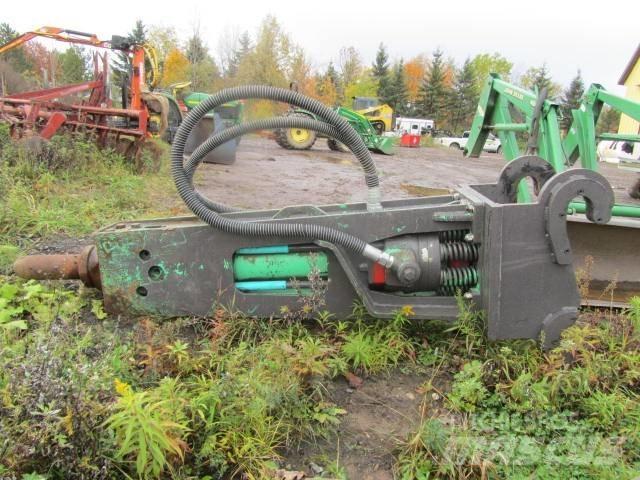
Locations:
608 121
203 70
243 49
196 50
464 96
121 65
73 65
433 92
539 78
15 57
398 87
380 71
245 44
334 78
571 99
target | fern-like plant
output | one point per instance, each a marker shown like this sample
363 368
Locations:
144 430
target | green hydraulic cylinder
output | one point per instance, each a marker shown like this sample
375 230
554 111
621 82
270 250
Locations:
279 266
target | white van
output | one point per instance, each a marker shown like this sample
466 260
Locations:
414 126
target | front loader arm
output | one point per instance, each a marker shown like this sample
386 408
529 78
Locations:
493 113
497 101
581 139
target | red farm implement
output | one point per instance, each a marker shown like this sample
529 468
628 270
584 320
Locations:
46 112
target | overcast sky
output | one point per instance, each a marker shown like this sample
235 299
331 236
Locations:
597 37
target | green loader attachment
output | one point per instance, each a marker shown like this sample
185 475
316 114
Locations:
221 117
603 252
303 139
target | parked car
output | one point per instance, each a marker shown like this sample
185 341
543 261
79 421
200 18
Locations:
491 145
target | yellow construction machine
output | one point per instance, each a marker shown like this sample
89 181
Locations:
380 115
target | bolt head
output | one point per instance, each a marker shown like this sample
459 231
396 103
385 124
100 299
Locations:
409 273
469 237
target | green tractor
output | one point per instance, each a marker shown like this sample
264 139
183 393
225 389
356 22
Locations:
222 117
231 113
302 139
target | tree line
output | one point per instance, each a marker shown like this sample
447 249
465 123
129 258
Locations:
430 86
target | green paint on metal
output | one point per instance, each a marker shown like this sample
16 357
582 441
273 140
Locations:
343 225
499 98
617 210
261 250
399 229
262 285
226 264
180 269
279 266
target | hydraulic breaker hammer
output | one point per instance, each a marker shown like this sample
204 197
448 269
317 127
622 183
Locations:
511 259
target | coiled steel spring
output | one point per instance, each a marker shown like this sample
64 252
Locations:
452 235
463 251
459 278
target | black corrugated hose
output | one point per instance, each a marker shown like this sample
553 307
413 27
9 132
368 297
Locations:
333 125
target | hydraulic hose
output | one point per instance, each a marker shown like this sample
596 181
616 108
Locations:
230 133
206 210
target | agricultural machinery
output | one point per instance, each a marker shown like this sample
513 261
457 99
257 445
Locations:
380 115
144 113
479 245
612 246
304 139
42 113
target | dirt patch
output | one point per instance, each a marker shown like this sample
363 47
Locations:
268 176
380 414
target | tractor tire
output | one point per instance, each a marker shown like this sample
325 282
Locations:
499 150
296 138
378 127
337 146
634 191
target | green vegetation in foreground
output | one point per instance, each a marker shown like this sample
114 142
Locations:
69 186
84 395
573 412
87 395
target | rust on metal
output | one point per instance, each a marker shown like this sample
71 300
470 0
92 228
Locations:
82 266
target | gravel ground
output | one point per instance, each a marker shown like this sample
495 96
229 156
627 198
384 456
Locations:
268 176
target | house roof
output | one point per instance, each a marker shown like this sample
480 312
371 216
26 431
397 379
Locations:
629 67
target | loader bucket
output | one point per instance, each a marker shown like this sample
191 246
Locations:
604 258
383 145
210 124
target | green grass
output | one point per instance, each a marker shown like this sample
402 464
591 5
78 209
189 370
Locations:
84 394
573 412
69 187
